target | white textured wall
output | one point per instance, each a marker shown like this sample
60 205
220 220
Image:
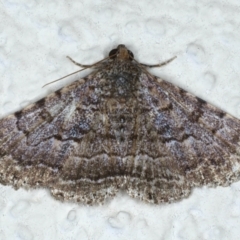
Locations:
35 37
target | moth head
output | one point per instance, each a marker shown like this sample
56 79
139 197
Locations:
122 53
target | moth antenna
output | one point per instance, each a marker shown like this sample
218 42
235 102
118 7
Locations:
156 65
90 66
63 77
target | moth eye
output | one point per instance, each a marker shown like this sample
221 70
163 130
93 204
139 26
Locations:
113 53
131 56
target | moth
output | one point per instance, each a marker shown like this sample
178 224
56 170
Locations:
120 127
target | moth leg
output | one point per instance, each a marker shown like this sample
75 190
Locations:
79 64
158 65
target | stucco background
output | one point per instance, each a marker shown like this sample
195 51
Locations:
35 37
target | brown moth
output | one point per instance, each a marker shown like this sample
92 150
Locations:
119 128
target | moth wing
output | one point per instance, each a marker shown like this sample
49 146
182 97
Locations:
192 143
48 144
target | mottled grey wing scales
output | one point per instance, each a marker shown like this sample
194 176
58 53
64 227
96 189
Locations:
197 144
119 128
37 145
